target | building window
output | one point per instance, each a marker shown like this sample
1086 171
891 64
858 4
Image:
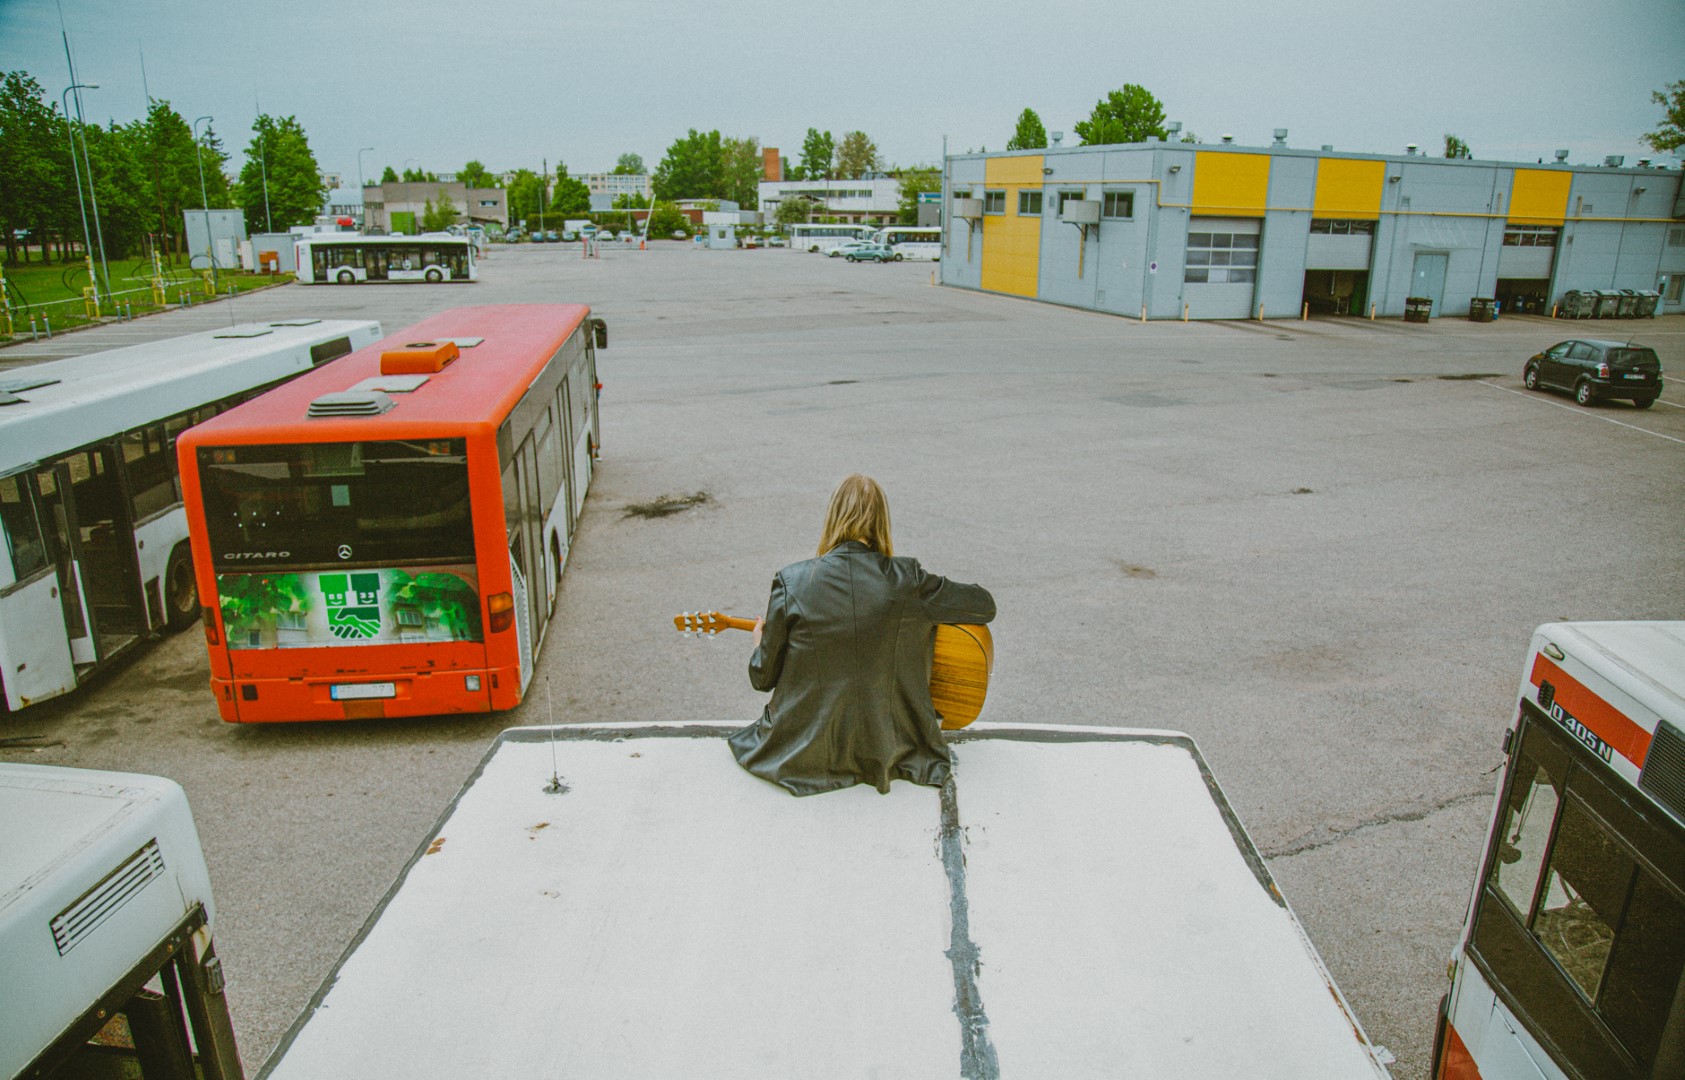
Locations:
962 193
1676 288
1342 227
1530 235
994 202
1676 236
1029 203
1118 204
1067 196
1222 258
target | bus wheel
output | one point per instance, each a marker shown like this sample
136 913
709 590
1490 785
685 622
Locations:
898 256
181 591
435 276
346 277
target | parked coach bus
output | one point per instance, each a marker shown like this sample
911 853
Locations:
822 238
914 242
95 553
1571 964
350 258
386 537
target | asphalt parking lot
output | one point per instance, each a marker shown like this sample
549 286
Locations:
1318 547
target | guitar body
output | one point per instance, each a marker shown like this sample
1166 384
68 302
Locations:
962 658
960 664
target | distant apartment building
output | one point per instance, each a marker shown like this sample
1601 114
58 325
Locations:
615 185
877 199
398 208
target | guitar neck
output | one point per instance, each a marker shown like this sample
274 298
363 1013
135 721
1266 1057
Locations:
730 623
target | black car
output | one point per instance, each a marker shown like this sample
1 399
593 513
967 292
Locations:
1594 370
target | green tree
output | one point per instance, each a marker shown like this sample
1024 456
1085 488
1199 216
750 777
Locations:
692 168
390 176
629 165
280 160
665 220
818 153
526 197
475 175
1456 148
631 201
1128 114
571 198
857 156
1031 135
740 171
34 165
919 179
793 211
1670 135
437 216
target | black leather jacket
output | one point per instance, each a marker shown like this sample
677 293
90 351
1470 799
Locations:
846 653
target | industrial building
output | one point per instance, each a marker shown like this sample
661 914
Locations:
1178 230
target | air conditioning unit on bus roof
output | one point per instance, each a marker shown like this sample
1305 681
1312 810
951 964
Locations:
418 358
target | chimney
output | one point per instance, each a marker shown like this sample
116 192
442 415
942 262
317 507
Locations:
772 166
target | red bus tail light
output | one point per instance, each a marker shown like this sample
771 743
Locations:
501 608
213 636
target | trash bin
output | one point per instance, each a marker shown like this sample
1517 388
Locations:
1577 304
1483 309
1418 308
1648 301
1608 303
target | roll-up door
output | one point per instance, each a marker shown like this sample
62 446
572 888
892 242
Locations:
1525 262
1325 252
1221 273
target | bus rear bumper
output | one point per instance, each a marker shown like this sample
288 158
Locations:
282 700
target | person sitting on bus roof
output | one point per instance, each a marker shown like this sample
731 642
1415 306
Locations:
845 648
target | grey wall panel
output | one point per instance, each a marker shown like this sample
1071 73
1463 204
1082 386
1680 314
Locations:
1587 256
1281 262
962 265
1061 242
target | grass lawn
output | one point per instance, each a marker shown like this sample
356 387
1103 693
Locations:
54 290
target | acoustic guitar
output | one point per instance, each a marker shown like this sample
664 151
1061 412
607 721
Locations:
962 658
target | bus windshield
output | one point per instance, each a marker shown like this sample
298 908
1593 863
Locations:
338 504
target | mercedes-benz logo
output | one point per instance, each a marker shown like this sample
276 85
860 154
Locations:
345 551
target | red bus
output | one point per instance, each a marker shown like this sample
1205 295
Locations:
385 536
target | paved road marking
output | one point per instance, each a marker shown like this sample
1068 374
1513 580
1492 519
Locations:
1580 410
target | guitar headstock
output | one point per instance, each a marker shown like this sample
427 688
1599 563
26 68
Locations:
701 622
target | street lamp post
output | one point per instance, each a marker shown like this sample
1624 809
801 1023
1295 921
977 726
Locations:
360 181
362 189
204 201
76 170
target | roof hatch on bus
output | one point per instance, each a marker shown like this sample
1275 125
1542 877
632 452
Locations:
418 358
365 403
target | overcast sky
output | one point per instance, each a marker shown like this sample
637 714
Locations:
437 82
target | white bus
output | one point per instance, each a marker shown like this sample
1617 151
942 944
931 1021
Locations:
106 925
913 241
822 238
351 258
612 900
1571 963
95 555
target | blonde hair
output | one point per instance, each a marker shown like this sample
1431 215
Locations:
858 511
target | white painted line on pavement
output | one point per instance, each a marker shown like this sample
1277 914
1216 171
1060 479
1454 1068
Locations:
1579 410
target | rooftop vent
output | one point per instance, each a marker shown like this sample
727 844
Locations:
1614 161
1173 127
1410 149
351 403
1280 137
1228 139
418 358
1058 137
1327 148
1561 156
1643 163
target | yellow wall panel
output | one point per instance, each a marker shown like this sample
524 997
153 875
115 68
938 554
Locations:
1231 185
1539 197
1012 244
1349 189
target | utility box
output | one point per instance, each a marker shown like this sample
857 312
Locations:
1081 212
281 244
214 238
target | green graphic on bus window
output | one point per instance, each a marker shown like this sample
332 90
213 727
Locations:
353 604
351 607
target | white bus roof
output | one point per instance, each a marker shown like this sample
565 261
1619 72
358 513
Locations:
96 869
57 403
1646 659
1080 901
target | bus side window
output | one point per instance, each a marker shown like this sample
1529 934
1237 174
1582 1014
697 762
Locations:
1531 812
22 526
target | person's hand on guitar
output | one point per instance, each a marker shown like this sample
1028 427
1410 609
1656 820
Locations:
755 637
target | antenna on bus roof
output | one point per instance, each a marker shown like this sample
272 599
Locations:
555 786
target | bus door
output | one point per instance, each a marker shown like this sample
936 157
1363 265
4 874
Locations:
92 541
32 634
521 560
374 259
